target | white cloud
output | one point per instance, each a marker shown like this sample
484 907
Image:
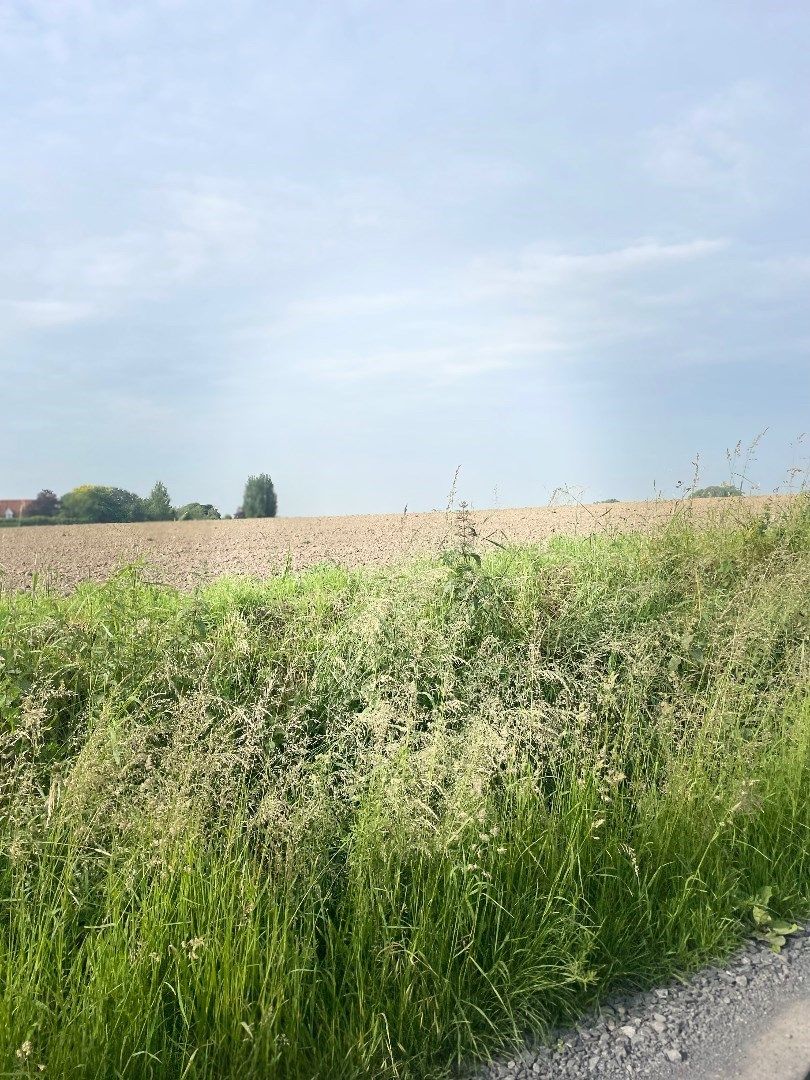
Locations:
536 267
197 228
528 308
209 225
528 271
440 364
46 313
354 304
713 146
192 228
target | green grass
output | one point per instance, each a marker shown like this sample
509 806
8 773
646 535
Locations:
377 823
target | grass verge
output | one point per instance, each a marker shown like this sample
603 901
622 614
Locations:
379 823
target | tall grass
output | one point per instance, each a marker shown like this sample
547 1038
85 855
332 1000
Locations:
376 824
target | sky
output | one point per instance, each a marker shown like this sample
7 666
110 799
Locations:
357 244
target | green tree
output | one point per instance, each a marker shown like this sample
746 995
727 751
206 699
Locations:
46 504
158 504
91 503
195 511
716 491
260 497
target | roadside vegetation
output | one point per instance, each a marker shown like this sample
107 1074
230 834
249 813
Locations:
381 822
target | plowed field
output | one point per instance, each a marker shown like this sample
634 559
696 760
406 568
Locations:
187 553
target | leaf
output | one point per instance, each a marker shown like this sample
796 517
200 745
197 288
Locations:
776 941
763 897
776 933
761 916
779 926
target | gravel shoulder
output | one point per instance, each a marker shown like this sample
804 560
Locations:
746 1020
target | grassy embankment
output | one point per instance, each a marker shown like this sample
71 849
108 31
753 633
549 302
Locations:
368 824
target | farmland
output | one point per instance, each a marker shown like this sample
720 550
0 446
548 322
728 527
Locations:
400 796
189 553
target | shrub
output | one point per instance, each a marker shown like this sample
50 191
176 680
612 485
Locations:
24 521
92 503
716 491
195 511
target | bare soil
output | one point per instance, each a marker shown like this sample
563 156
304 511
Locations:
188 553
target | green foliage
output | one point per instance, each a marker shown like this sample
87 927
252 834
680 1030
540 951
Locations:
351 824
17 522
716 491
769 927
158 504
45 505
98 503
195 511
260 497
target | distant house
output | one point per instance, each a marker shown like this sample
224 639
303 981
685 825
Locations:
12 508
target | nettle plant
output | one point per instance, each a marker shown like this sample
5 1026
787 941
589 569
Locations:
462 560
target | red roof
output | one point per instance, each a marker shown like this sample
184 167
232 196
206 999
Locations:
15 505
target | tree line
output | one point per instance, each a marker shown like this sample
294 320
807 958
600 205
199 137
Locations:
98 503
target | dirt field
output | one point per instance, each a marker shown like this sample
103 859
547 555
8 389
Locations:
191 552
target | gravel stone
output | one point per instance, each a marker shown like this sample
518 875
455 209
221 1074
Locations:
665 1032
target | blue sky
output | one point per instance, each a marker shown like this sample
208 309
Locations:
357 243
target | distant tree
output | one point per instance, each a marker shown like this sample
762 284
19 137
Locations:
260 497
239 512
158 504
195 511
98 503
716 491
608 500
46 504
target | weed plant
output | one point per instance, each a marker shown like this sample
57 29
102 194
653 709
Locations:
380 823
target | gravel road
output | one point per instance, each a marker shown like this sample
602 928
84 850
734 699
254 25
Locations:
746 1020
